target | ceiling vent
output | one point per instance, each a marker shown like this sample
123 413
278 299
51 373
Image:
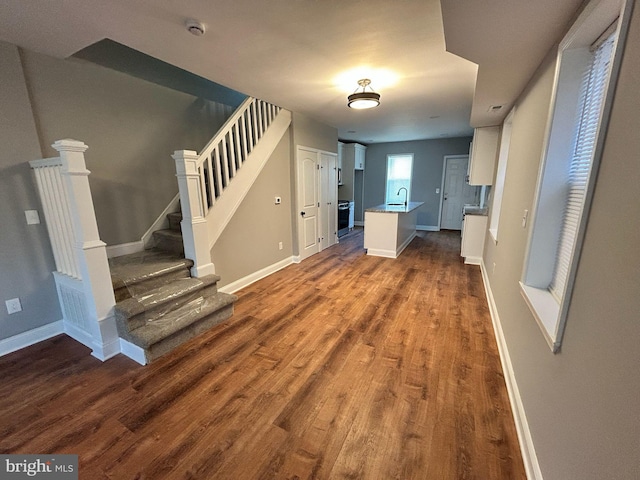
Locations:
495 108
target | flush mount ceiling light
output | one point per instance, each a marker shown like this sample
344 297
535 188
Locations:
363 99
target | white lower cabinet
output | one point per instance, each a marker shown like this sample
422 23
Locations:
474 228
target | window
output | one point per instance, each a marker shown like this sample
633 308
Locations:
586 67
399 169
501 173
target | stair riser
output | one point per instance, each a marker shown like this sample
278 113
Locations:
168 244
137 321
174 221
170 343
138 288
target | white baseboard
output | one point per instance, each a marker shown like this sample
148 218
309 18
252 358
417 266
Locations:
78 335
379 252
134 352
124 249
26 339
296 259
473 260
254 277
531 465
428 228
139 245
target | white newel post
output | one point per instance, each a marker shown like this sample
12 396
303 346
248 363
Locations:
91 255
194 224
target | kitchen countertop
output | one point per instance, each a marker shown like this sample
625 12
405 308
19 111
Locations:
384 208
475 210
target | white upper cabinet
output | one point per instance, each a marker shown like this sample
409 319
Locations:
359 153
353 155
484 152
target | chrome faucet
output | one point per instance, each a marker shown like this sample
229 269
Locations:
406 194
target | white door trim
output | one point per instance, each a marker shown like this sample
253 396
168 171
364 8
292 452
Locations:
318 153
444 173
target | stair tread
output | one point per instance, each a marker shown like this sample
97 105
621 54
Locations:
161 327
140 266
168 293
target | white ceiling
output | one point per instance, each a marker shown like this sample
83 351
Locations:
298 53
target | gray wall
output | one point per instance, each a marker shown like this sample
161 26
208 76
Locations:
582 403
250 241
308 132
131 127
26 260
428 159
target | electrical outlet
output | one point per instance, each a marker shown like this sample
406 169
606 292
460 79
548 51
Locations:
13 306
437 191
280 246
525 216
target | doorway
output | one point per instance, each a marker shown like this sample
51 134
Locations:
456 192
317 200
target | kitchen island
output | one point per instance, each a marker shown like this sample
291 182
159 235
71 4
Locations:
388 229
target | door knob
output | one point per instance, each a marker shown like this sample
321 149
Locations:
303 214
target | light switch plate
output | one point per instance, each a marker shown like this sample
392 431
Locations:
32 217
278 200
13 306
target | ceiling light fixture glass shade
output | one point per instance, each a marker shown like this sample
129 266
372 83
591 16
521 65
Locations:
362 100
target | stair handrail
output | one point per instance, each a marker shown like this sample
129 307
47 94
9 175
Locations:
223 156
203 177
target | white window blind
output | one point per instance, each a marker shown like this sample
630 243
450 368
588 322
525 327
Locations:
594 87
399 169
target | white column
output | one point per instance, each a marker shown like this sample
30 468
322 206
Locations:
90 251
194 224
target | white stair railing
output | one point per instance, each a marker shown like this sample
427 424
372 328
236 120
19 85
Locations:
202 178
82 276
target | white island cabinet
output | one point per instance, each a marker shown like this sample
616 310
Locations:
388 229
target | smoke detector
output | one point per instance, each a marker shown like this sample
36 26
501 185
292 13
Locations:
195 28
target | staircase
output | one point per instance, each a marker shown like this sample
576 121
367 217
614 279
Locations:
159 299
159 305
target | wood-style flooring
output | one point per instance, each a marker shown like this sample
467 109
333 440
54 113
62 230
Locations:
344 366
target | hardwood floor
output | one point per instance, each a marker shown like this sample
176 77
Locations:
342 367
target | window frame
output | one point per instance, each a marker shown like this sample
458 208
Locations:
390 156
547 211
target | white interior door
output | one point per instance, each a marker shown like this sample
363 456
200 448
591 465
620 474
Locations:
328 193
308 234
456 192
